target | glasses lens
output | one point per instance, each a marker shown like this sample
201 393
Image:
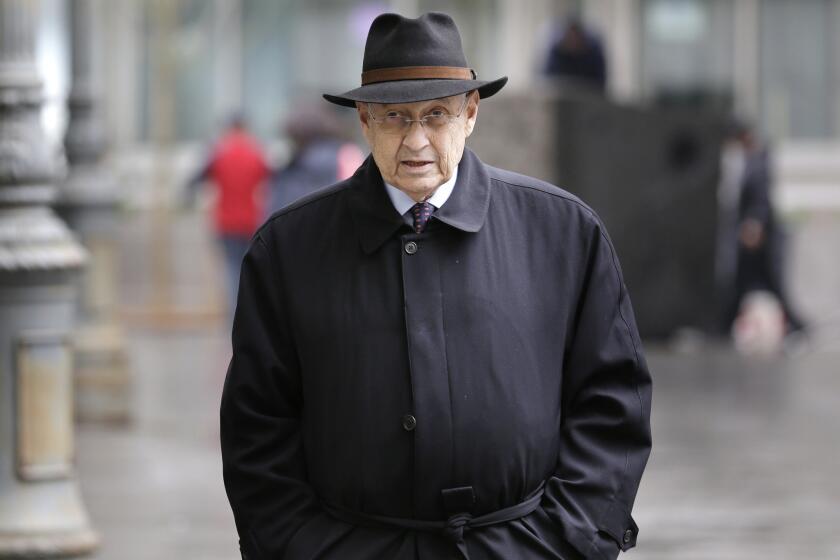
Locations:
398 121
393 120
437 119
389 121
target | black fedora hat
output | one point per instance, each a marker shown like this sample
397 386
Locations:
409 60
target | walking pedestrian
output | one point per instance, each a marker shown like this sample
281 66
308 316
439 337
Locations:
237 170
434 358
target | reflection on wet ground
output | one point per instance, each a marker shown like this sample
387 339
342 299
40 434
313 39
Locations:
154 489
745 461
744 466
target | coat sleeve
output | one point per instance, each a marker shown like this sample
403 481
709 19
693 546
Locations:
262 454
605 431
755 191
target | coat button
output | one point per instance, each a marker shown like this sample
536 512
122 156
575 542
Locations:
628 536
411 247
409 422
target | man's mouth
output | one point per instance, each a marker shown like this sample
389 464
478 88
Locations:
416 163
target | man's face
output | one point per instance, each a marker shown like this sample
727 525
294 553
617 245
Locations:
418 159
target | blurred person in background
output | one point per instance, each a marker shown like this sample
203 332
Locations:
577 57
434 358
757 238
237 170
320 156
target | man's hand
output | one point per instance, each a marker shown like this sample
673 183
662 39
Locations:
751 234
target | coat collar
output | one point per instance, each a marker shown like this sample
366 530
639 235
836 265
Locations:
376 219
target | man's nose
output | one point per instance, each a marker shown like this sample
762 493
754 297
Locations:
416 137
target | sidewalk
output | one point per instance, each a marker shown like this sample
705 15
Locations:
154 489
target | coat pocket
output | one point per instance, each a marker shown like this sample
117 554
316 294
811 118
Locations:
316 538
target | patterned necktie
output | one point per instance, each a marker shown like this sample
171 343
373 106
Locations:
421 211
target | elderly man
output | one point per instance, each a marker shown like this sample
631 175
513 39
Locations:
434 358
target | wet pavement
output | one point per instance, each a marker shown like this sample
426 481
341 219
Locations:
745 461
745 457
154 489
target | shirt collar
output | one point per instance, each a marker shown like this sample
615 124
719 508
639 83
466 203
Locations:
376 218
403 203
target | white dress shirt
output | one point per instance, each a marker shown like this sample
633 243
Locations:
403 203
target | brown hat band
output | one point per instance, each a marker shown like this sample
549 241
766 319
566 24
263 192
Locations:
417 73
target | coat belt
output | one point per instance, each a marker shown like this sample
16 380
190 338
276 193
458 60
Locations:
452 528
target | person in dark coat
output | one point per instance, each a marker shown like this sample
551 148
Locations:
577 56
434 359
320 157
760 236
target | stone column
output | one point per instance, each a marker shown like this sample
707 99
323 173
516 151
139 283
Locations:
41 511
89 202
620 21
746 58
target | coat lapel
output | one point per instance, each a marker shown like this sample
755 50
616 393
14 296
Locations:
467 206
374 215
376 219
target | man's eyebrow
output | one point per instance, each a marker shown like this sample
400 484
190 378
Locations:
386 106
443 103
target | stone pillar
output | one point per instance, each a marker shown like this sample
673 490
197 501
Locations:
620 24
41 511
746 58
89 202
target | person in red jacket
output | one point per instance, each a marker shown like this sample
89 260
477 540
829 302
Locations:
238 171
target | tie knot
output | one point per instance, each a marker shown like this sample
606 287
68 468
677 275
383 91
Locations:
421 212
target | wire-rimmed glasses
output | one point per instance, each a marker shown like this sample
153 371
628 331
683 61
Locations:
399 121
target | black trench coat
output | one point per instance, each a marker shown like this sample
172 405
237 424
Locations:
374 370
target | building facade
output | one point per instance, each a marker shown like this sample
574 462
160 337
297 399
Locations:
172 70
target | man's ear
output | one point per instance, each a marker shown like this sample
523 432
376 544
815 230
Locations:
361 108
364 120
472 111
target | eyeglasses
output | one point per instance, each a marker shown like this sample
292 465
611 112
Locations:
399 122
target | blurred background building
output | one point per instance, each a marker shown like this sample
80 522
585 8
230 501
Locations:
171 73
745 447
197 60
